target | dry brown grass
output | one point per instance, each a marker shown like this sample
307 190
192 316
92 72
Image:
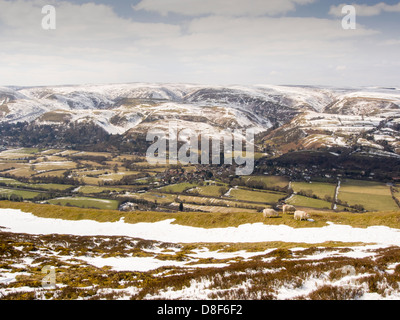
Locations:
258 278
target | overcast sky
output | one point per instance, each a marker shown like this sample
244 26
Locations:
200 41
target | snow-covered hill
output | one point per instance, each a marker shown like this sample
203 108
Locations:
304 116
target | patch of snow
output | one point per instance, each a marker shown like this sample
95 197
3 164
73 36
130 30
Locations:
21 222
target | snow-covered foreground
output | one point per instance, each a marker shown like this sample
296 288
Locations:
20 222
125 261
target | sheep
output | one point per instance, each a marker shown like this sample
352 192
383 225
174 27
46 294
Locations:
301 215
270 213
286 208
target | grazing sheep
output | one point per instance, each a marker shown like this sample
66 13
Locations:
301 215
270 213
288 209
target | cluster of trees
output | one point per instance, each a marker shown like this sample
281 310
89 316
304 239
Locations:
56 180
254 184
81 136
11 197
99 159
19 198
310 194
130 164
349 164
130 179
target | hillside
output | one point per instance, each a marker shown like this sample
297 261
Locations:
365 121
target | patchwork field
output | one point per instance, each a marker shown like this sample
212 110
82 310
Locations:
61 174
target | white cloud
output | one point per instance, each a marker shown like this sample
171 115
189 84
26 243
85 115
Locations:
365 10
265 37
76 24
341 68
221 7
93 44
391 42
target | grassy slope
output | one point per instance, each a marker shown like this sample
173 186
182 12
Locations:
207 220
216 201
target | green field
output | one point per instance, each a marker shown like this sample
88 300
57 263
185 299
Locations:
50 152
41 186
270 181
84 202
20 193
55 173
11 182
157 197
211 191
56 165
244 154
320 189
301 201
256 196
23 151
22 172
93 189
27 150
50 186
373 196
178 188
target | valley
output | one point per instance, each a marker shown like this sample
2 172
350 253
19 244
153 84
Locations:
78 194
127 182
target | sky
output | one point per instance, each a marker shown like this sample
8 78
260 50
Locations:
216 42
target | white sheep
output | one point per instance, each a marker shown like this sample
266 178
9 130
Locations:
301 215
270 213
287 208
